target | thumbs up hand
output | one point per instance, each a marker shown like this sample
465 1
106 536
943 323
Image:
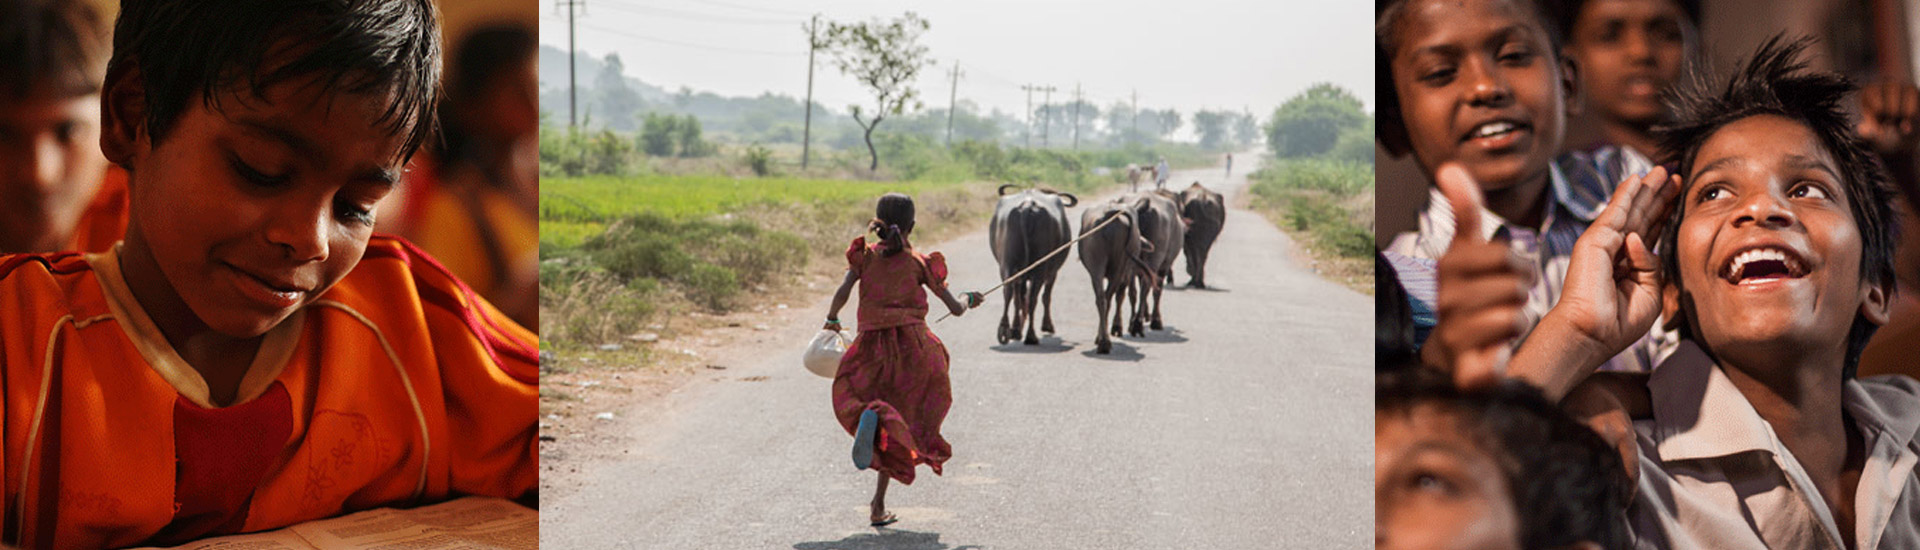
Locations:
1482 291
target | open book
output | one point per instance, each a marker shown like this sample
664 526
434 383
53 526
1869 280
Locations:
474 523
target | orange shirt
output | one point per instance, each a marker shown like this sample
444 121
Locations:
105 220
397 387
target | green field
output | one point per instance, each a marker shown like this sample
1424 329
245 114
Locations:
575 209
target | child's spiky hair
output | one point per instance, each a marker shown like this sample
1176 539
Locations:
201 49
1776 82
51 46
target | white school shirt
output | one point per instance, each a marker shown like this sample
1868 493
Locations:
1713 474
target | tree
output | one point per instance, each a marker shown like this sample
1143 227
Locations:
657 133
1246 129
1311 123
884 56
1212 127
619 103
1169 123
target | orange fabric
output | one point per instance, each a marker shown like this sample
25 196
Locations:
95 466
105 220
890 293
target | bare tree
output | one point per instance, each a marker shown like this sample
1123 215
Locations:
885 56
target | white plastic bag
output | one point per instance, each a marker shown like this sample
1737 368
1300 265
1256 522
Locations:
823 353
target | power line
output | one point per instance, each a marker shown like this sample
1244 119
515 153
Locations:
648 10
750 8
689 44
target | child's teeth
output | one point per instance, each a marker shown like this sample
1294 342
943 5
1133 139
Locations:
1494 128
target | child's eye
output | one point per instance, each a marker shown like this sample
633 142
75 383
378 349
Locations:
1432 483
254 175
1710 193
1438 76
1808 191
352 212
1516 55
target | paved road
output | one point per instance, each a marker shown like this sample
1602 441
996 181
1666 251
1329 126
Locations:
1246 424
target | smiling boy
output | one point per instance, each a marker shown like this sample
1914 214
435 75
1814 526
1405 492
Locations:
1780 270
252 356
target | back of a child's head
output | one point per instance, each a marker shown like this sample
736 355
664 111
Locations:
1391 130
215 50
52 48
1567 484
481 65
1776 82
892 219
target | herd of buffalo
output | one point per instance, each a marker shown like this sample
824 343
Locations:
1128 246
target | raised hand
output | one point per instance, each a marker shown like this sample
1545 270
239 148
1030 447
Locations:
1612 293
1890 117
1482 291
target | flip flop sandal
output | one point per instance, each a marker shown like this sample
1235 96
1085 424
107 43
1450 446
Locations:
863 439
886 520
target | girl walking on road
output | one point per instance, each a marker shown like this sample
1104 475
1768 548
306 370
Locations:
891 391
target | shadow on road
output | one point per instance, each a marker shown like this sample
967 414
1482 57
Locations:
1121 352
1048 344
886 539
1206 289
1169 335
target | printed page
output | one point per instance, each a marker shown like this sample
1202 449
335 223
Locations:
474 523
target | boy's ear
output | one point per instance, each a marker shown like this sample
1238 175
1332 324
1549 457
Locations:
1570 83
123 115
1670 305
1876 305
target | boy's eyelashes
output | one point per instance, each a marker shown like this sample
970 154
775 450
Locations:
353 212
1804 189
255 175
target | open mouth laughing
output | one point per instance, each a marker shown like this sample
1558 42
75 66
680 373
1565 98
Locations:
1763 264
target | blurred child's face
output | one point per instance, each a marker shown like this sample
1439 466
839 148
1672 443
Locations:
1436 488
256 209
50 167
1767 246
1628 51
1479 84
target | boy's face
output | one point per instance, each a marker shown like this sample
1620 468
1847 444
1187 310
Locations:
256 209
1434 487
1768 247
1479 84
1628 51
50 167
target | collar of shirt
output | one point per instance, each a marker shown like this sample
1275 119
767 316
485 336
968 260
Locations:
1699 415
1570 203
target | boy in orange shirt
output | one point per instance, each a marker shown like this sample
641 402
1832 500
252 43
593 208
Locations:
52 192
251 355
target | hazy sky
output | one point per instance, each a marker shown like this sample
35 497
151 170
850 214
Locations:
1184 54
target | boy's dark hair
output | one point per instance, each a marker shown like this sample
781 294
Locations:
477 61
1567 12
892 219
1393 347
1391 129
1567 483
57 46
190 50
1775 82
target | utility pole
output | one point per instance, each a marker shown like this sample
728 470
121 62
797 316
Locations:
952 100
1029 88
806 133
1135 136
1076 116
1046 119
573 83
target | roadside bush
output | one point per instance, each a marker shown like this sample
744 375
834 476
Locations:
759 159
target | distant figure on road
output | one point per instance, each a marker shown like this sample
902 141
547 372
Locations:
1229 165
891 391
1133 177
1160 174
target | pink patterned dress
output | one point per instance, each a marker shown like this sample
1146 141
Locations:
896 366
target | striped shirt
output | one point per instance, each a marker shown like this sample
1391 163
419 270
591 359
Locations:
1581 182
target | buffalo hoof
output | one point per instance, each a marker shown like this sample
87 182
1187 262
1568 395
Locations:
1032 339
1047 326
1156 325
1137 329
1002 333
1103 346
1196 284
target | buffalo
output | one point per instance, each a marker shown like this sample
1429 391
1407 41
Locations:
1206 213
1158 218
1110 248
1026 227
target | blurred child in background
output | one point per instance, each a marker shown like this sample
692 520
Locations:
56 190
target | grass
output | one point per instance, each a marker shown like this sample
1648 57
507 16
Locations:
1328 205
